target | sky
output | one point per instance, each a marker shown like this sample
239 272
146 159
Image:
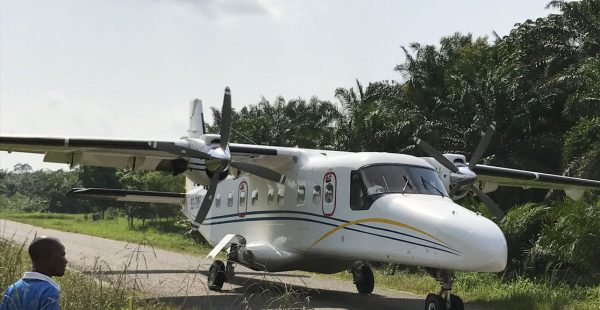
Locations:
130 68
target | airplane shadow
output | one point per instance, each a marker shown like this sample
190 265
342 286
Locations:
270 292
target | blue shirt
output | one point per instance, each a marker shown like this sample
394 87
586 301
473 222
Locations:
34 291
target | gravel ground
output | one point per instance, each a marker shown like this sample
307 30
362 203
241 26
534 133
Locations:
181 278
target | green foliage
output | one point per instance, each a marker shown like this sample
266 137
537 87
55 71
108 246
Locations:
554 243
522 226
581 153
150 181
292 123
28 190
567 242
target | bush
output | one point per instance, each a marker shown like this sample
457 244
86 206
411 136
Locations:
522 226
568 242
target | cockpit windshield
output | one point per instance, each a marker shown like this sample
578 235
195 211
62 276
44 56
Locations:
381 179
371 182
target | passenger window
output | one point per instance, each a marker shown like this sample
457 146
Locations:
270 195
301 195
317 194
254 196
230 200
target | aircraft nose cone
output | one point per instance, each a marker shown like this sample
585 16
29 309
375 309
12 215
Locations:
488 251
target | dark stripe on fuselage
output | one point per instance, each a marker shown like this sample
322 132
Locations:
285 218
329 224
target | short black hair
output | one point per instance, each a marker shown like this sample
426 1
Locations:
42 247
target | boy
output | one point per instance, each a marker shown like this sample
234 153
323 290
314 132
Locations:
36 290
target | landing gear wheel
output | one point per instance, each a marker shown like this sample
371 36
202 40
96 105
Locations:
216 275
434 302
363 278
444 300
456 303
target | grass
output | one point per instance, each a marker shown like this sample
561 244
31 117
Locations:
490 292
165 235
78 291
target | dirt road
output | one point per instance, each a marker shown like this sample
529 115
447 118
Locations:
181 279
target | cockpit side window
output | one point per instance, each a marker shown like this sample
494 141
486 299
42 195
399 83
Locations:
357 192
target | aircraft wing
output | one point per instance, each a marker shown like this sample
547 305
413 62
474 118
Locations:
528 179
136 154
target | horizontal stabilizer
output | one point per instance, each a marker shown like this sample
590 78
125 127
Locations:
128 195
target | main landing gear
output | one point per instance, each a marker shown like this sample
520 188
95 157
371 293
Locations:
444 300
363 278
220 272
216 275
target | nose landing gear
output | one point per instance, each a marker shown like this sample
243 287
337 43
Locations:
445 300
363 278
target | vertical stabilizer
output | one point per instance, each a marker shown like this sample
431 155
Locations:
197 128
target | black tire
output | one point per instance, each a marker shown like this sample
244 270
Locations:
456 303
434 302
363 278
216 276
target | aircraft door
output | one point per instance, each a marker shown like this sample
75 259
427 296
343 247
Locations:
242 198
329 193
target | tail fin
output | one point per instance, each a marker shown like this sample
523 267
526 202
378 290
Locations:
197 128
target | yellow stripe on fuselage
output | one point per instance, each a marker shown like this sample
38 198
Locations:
374 220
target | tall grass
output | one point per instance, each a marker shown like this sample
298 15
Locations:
78 291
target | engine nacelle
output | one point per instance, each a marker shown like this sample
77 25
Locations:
200 171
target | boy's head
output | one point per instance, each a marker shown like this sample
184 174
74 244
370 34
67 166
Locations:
48 256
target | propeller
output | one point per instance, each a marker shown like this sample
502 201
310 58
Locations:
463 177
209 196
217 159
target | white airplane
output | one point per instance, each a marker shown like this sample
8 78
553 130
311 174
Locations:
281 208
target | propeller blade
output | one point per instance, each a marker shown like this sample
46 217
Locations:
435 154
210 195
490 204
260 171
226 118
482 146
